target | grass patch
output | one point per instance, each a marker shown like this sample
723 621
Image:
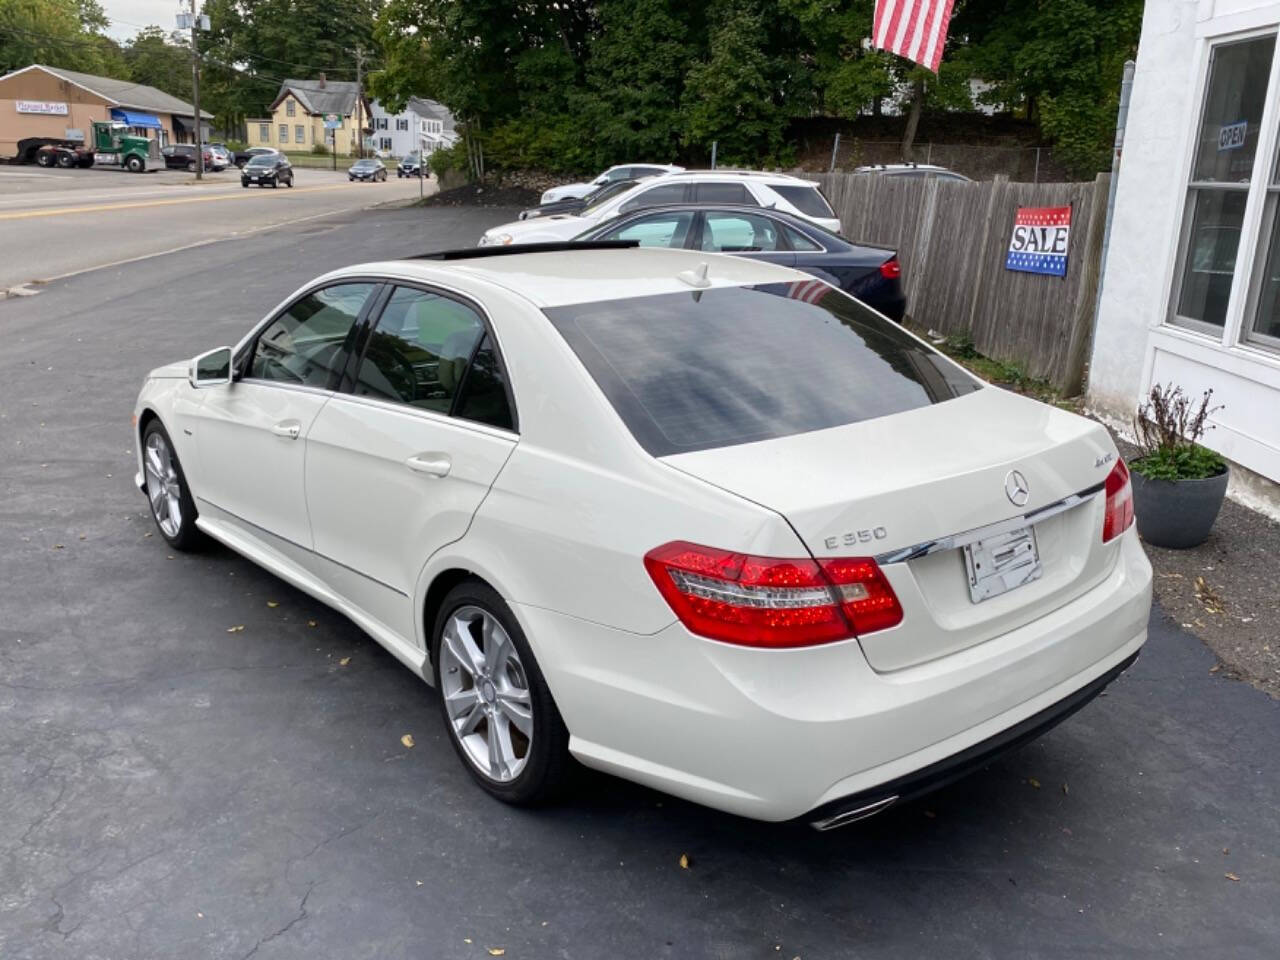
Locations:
959 347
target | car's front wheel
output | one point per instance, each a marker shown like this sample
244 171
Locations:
172 506
501 717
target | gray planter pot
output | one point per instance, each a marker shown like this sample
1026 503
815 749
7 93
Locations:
1177 513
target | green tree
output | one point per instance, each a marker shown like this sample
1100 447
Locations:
161 61
59 33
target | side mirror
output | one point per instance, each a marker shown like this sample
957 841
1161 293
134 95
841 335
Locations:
210 369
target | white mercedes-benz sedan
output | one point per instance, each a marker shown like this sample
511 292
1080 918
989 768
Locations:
694 520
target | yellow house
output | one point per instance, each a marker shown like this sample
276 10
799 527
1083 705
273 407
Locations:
297 121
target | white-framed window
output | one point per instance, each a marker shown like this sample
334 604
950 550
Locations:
290 107
402 123
299 133
284 133
264 132
381 123
384 143
1233 169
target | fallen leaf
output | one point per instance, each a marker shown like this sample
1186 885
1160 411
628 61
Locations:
1207 597
1215 668
1064 789
1034 782
418 882
684 861
344 661
1232 877
272 604
58 546
497 951
311 623
236 629
407 739
466 939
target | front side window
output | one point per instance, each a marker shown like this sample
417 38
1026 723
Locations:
656 230
656 196
309 343
1226 144
740 233
419 351
731 365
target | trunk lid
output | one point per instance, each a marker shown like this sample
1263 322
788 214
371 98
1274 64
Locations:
883 485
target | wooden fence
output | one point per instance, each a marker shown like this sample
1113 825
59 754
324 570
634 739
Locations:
952 238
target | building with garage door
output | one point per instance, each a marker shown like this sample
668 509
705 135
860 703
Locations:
1191 290
41 101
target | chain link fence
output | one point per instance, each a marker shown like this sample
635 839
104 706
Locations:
976 161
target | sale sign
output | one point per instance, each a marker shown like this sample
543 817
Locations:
1040 239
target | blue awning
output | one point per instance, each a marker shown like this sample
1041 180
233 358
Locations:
135 119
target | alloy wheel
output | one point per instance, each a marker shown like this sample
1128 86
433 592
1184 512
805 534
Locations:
164 488
486 693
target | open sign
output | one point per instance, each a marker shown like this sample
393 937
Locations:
1231 137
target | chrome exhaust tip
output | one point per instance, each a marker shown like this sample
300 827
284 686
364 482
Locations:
846 817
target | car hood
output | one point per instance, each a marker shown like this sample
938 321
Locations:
527 230
170 371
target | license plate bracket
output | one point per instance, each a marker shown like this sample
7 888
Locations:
1002 562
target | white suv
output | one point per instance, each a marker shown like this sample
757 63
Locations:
621 171
778 191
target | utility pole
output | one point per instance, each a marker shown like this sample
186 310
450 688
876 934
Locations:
196 23
359 102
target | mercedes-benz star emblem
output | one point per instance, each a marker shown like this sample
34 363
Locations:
1016 489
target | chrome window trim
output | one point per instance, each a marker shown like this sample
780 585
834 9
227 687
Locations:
284 385
967 537
443 419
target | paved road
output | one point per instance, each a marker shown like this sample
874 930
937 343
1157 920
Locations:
172 790
56 222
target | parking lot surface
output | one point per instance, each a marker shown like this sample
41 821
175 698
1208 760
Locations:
197 760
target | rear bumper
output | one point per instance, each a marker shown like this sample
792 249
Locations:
776 735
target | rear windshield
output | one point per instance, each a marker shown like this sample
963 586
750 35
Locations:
714 368
808 200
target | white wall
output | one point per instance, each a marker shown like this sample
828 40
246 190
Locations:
402 141
1133 346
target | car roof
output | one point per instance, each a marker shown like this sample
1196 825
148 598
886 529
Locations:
732 175
803 224
560 278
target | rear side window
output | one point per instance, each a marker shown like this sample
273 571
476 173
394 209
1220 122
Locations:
723 193
484 391
799 241
740 233
730 365
670 229
807 199
655 196
418 353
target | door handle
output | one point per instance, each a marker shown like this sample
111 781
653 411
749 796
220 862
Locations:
288 429
432 464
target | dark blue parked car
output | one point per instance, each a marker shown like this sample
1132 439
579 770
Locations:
872 274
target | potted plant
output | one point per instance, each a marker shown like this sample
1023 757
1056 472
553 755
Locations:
1178 485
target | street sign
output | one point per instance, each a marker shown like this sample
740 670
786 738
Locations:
332 121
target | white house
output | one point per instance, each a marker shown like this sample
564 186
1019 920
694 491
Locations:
423 124
1191 291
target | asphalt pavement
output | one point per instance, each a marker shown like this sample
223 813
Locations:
174 786
57 222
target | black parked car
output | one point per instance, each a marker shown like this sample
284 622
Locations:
872 274
182 156
244 156
267 169
410 166
578 204
370 168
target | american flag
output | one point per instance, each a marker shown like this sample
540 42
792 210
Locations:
915 29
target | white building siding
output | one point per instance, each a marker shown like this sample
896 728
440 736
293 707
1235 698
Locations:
1136 344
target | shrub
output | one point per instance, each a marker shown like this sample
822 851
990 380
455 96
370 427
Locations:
450 158
1168 426
320 150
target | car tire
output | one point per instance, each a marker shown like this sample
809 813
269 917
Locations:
134 164
243 184
44 158
474 695
66 161
167 489
275 184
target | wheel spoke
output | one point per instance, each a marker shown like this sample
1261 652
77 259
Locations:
502 753
471 722
518 713
175 515
458 639
461 702
155 493
497 645
153 457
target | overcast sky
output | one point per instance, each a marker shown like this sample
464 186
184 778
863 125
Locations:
129 16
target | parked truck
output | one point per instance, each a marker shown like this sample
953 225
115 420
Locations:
111 145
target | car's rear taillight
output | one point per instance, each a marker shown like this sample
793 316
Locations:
1119 509
891 269
771 602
